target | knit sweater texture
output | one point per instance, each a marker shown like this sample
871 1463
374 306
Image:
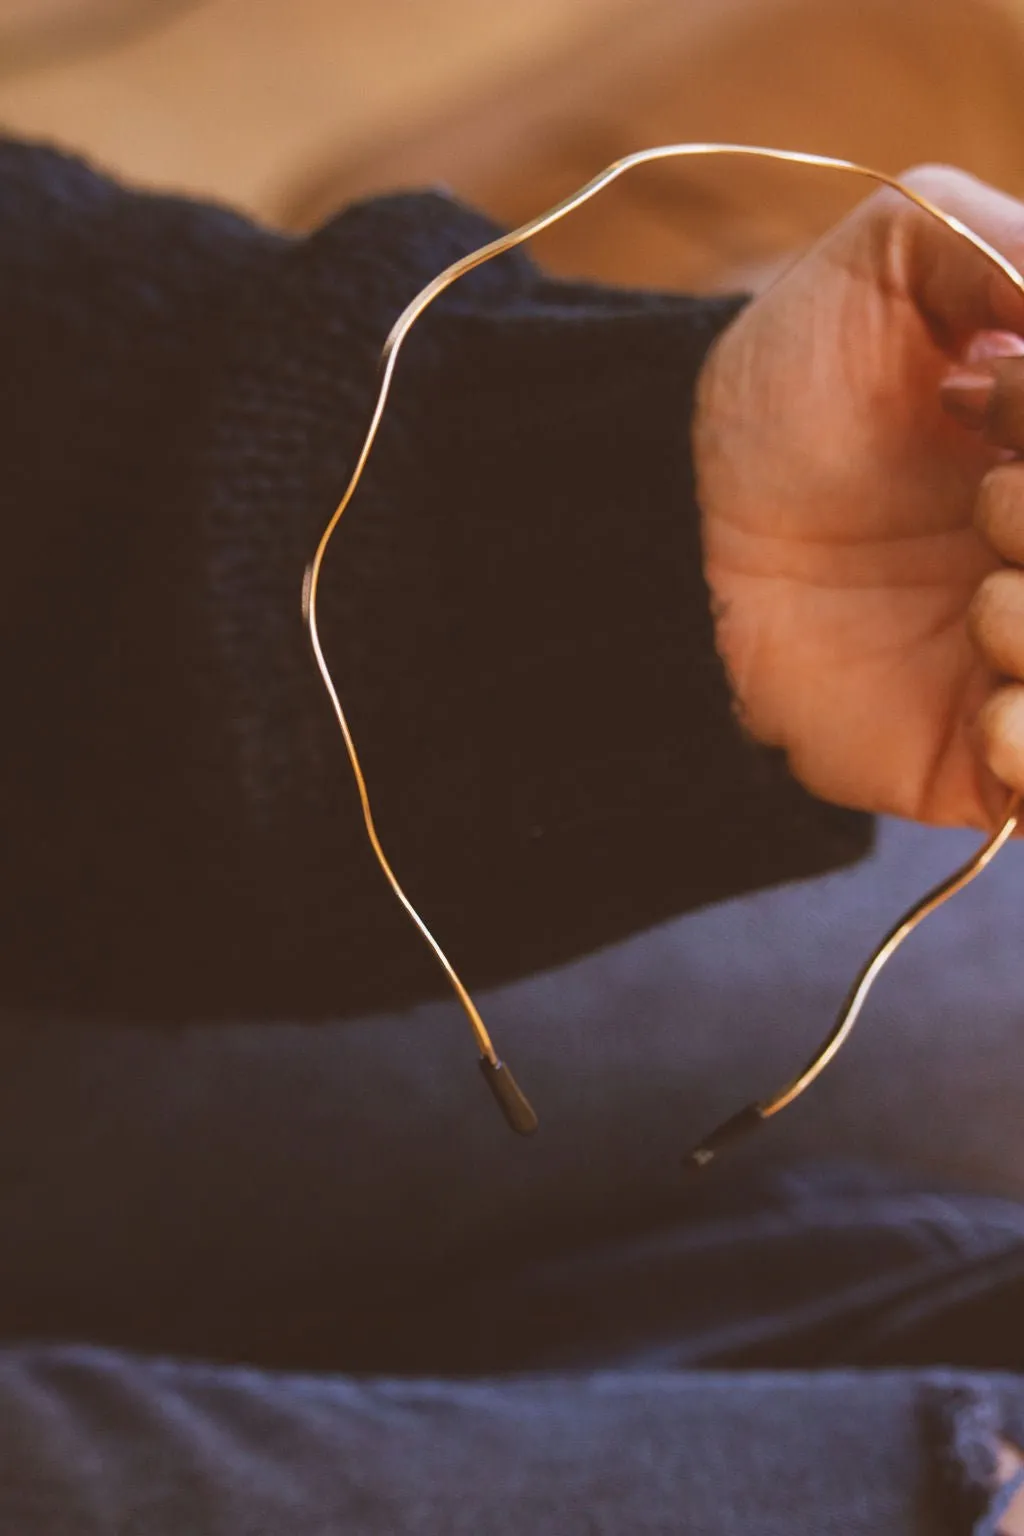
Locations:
514 609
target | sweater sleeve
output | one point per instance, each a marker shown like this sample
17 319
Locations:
513 607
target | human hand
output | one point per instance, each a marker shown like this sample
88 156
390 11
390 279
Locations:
861 608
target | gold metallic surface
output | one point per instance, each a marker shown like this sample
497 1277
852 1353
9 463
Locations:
389 357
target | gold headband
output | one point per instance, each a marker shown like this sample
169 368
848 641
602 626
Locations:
514 1104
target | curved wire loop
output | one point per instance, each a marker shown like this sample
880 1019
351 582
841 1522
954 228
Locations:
753 1115
512 1101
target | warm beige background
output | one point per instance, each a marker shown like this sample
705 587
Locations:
234 97
289 108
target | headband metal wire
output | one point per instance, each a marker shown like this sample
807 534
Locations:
513 1102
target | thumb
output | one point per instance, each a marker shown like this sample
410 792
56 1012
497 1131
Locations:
986 392
956 288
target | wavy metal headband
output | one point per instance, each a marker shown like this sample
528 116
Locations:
514 1104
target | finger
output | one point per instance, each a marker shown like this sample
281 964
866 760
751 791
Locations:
955 287
990 398
996 622
1000 728
999 511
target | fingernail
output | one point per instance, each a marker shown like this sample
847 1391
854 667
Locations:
967 397
991 344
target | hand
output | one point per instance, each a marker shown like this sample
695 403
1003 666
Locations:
850 577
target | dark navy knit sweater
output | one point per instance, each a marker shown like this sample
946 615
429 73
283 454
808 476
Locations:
513 606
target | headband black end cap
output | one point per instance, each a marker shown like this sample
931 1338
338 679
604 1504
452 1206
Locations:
512 1101
734 1129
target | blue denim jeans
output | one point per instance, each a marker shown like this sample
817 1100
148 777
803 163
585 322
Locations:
96 1443
252 1282
821 1352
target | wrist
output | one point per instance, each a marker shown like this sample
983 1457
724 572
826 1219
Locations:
716 452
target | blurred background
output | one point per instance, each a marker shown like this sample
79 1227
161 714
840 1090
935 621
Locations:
290 108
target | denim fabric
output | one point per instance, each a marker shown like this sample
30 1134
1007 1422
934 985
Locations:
810 1267
179 1191
578 1418
779 1347
93 1443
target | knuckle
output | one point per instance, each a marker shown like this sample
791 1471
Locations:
934 176
999 507
986 725
1000 729
991 490
995 619
982 607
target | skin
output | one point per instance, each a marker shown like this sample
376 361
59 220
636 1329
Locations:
861 541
